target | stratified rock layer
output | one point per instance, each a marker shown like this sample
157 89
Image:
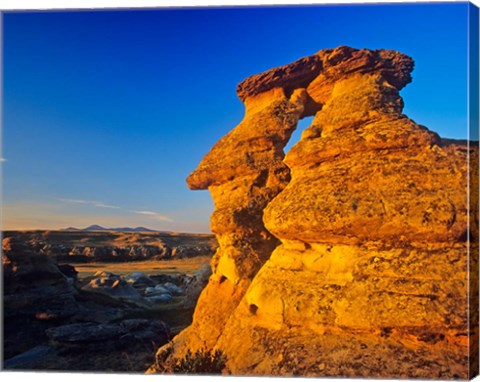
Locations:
371 276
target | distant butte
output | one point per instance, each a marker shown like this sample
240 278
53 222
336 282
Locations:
95 227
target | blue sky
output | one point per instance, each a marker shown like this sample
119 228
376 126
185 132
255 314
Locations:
105 113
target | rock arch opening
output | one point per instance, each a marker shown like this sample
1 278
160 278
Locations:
303 123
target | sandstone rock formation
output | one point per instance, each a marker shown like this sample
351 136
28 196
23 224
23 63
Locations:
370 277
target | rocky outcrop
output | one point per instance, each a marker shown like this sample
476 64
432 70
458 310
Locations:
36 296
52 324
347 255
102 347
34 285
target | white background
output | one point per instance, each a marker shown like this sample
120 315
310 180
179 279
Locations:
82 4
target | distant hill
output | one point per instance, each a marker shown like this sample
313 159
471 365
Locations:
95 227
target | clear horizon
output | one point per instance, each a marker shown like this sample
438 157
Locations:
105 113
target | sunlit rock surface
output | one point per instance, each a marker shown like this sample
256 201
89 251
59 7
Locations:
348 257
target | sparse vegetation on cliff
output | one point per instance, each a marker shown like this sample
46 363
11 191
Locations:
202 361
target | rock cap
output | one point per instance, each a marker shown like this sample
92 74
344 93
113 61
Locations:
335 64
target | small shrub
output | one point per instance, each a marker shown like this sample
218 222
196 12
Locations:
202 362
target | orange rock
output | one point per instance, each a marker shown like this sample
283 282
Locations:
352 251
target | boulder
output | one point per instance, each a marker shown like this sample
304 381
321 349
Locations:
157 290
163 297
112 285
138 280
175 290
103 274
110 335
161 287
147 330
85 333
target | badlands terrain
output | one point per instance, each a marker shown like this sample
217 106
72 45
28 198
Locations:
98 244
98 300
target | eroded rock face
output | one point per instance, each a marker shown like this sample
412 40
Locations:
250 174
371 212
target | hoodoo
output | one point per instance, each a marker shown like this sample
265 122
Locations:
349 255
